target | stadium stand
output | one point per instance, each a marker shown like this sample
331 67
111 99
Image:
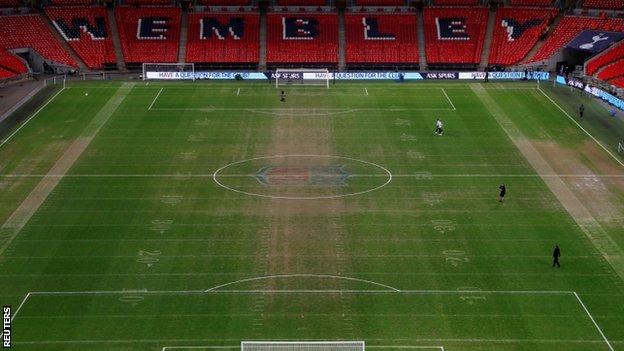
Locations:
380 2
148 2
4 74
456 2
309 38
571 26
614 70
12 64
516 32
531 2
225 2
10 3
377 38
454 35
87 31
613 54
619 82
30 31
71 2
149 34
223 38
301 2
604 4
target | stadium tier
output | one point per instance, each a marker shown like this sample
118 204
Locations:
454 35
612 71
71 2
87 31
149 34
613 54
604 4
570 27
225 2
619 82
6 73
380 2
10 3
516 31
381 38
30 31
301 2
531 2
456 2
225 38
12 64
302 38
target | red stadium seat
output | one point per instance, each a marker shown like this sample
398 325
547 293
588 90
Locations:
87 31
71 2
301 2
11 63
225 2
30 31
570 27
613 54
531 2
456 2
149 34
614 70
380 2
454 35
10 3
234 40
381 38
516 32
618 82
149 2
4 74
604 4
303 38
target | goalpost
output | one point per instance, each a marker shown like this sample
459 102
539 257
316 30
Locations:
169 71
302 346
302 76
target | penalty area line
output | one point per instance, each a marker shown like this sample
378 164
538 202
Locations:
156 98
449 99
593 321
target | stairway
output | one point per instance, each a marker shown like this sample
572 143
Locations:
487 45
539 44
342 41
183 36
64 44
121 65
262 65
422 57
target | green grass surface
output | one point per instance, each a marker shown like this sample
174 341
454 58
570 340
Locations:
122 252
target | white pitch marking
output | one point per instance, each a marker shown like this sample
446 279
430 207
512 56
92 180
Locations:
30 118
583 129
156 98
593 321
366 91
238 92
302 276
20 306
449 99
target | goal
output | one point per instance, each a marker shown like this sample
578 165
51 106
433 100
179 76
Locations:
168 71
302 76
302 346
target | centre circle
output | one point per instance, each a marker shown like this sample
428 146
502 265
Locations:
302 177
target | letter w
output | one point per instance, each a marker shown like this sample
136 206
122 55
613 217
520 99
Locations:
210 25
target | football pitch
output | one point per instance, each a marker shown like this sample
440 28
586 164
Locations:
178 216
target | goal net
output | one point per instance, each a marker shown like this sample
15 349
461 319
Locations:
168 71
302 76
302 346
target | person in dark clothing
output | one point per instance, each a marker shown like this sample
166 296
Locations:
581 111
487 75
283 96
503 191
556 255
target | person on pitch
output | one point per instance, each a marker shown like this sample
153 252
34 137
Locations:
438 129
503 191
283 96
581 111
556 255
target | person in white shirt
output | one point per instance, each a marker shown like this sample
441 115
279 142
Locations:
439 126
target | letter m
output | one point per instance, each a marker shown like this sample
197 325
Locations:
96 31
210 25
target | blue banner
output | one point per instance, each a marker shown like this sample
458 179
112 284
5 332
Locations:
594 40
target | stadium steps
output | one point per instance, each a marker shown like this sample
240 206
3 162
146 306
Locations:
489 34
541 42
342 42
183 36
262 63
64 44
422 57
121 65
